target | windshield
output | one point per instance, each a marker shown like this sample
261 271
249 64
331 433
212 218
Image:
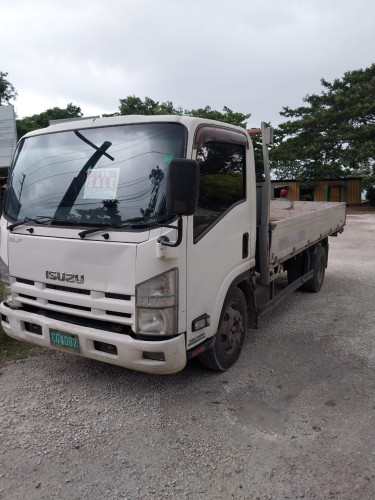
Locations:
95 176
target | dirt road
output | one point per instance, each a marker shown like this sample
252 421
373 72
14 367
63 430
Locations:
295 417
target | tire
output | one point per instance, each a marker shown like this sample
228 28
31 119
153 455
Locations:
230 336
318 264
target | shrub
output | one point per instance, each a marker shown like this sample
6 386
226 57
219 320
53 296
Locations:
370 195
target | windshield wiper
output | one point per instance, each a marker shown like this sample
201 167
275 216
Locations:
41 219
65 206
123 223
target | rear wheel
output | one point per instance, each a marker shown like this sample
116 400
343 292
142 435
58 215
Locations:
230 336
319 266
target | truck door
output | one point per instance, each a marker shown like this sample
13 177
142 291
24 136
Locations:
218 239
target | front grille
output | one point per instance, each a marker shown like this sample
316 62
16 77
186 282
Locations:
68 289
26 282
118 296
27 296
72 306
79 320
114 313
77 302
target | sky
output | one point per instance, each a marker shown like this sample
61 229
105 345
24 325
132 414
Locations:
252 56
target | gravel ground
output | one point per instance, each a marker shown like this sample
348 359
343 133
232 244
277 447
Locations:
294 418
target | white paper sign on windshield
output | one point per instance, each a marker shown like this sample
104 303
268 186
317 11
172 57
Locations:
102 183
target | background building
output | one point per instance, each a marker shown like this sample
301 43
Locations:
8 139
348 190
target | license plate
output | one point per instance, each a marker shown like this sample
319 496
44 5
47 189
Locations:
64 340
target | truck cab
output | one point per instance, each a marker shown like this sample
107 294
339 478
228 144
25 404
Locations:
95 264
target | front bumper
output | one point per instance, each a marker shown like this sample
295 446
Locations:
130 352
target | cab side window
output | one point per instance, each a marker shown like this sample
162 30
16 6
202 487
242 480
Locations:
222 182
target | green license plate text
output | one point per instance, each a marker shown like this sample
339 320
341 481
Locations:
64 340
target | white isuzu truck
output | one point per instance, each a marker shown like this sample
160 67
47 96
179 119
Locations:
145 241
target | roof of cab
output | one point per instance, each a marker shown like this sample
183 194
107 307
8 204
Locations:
93 122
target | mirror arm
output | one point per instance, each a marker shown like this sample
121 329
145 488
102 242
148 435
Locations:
164 240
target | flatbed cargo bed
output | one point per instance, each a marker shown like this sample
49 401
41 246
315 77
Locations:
296 225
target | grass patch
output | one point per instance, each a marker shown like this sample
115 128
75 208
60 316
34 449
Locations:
11 349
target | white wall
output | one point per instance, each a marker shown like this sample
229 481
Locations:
8 135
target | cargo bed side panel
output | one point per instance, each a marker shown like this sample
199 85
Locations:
297 225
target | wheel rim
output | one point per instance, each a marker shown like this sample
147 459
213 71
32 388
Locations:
232 328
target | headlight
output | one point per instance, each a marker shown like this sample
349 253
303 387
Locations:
157 305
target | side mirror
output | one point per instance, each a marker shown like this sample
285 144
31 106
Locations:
182 186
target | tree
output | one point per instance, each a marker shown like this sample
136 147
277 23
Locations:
7 91
256 139
333 135
370 195
228 116
133 105
156 177
42 120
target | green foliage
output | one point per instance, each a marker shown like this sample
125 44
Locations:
219 159
10 348
333 135
7 91
222 190
370 195
258 155
42 120
133 105
228 116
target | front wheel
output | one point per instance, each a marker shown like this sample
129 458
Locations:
230 336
